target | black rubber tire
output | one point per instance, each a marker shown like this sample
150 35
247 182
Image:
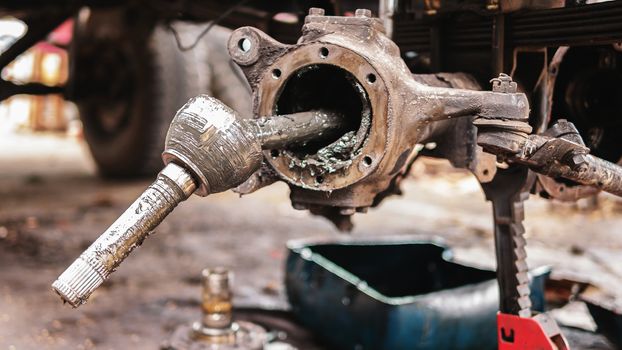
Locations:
163 78
226 80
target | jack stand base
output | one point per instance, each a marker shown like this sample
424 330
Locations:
536 333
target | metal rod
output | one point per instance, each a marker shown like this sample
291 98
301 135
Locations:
216 298
216 324
282 130
172 186
589 171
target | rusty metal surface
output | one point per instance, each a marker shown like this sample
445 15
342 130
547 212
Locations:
380 115
208 149
395 111
563 156
399 111
209 140
507 193
217 329
222 150
216 304
298 128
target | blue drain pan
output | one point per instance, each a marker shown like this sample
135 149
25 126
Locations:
394 295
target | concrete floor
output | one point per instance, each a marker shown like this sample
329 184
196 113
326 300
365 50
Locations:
52 206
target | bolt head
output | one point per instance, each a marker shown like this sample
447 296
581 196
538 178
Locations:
504 84
316 11
578 162
362 13
578 159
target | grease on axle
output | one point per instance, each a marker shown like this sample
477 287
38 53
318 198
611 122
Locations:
208 149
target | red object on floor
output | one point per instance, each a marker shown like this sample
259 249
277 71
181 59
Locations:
537 333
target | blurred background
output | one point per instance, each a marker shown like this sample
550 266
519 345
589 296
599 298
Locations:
46 63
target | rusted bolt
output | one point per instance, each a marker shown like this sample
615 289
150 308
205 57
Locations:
503 84
216 299
316 11
578 162
578 159
362 13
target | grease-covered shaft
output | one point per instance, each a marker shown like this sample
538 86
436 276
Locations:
172 186
282 130
217 151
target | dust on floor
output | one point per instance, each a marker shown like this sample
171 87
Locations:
52 206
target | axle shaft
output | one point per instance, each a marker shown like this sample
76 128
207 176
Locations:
172 186
279 132
176 183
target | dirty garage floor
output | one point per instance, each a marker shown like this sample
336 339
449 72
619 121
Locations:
52 206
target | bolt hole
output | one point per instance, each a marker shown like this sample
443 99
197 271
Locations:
561 189
319 179
244 45
367 160
276 73
274 153
323 52
486 172
371 78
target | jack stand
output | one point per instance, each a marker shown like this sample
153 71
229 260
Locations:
216 330
517 329
523 333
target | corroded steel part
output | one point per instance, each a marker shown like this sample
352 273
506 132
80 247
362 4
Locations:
211 141
286 130
349 65
216 302
222 150
560 158
558 153
217 330
172 186
217 150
